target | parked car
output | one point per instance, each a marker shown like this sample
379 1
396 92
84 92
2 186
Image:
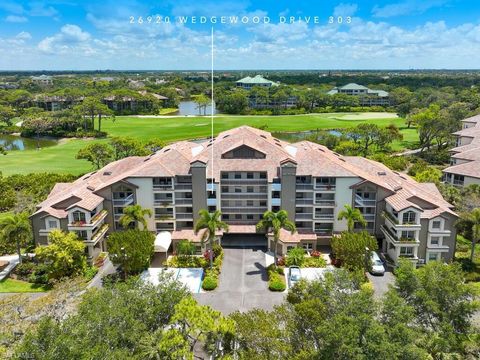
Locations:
294 275
377 264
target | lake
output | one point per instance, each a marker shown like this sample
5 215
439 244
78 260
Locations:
12 142
186 108
302 135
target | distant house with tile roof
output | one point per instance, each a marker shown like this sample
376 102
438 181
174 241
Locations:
464 166
367 97
249 172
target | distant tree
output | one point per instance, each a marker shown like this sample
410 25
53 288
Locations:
19 99
202 102
472 219
353 249
97 153
210 223
427 125
236 102
402 98
274 222
64 255
185 248
154 145
7 113
92 107
165 344
134 214
431 174
352 215
126 146
131 249
16 228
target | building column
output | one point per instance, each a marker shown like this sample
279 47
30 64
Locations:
288 173
199 187
90 253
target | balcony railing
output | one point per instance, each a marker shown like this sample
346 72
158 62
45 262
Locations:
243 181
324 216
390 217
163 186
243 195
303 215
99 233
163 202
325 187
93 221
395 237
183 216
243 210
324 232
163 216
304 201
325 202
183 186
304 186
183 201
123 202
364 202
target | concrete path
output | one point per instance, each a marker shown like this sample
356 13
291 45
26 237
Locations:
107 269
243 283
381 283
13 260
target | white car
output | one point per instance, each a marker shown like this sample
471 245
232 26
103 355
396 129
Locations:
294 275
377 264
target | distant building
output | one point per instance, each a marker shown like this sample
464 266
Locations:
248 82
367 97
43 80
464 166
8 85
56 102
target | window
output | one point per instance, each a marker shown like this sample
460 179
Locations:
433 256
249 217
249 189
52 224
249 202
263 175
308 246
226 217
408 234
238 216
238 203
249 175
78 216
436 224
435 240
224 175
263 203
82 234
406 251
238 175
225 189
409 217
238 190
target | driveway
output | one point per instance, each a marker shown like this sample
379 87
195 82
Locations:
381 283
243 283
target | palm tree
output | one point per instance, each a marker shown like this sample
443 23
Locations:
473 219
275 221
134 214
352 215
16 227
210 222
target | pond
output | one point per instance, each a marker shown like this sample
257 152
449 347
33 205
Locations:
189 108
12 142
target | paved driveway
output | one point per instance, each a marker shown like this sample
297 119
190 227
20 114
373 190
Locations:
243 283
380 283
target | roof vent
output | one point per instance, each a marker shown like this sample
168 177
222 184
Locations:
107 173
381 173
337 154
397 188
263 136
278 144
166 150
91 188
321 149
226 136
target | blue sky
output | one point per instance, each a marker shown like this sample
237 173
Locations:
88 35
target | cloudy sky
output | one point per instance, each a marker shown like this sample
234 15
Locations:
382 34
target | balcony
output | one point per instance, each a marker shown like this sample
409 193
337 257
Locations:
276 187
324 216
360 201
179 216
211 202
162 186
211 187
390 217
243 181
300 186
163 217
182 201
325 203
302 216
183 186
323 232
276 201
124 202
325 187
244 195
243 210
394 237
100 233
304 201
94 221
163 202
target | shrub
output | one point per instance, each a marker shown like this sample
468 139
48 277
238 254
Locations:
185 248
131 249
350 248
317 262
277 285
217 250
40 275
315 254
209 283
295 256
90 273
25 269
281 261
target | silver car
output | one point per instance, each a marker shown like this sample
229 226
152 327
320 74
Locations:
294 275
377 264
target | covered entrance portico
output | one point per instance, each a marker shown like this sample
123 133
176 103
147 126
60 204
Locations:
244 236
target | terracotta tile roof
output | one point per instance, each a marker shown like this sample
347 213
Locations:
186 234
471 168
242 229
472 119
288 237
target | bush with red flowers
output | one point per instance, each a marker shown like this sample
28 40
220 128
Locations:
315 254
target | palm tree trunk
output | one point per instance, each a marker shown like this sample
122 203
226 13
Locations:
275 252
19 252
472 253
99 122
211 254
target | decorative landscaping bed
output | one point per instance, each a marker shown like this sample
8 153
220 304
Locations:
276 278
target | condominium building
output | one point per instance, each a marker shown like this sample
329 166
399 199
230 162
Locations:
243 172
258 80
367 97
464 166
43 80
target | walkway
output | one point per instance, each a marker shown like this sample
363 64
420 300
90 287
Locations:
13 260
243 283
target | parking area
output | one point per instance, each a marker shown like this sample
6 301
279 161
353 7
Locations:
381 283
190 277
243 281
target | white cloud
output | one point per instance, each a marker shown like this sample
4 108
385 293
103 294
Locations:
345 10
16 19
69 37
38 8
407 7
11 7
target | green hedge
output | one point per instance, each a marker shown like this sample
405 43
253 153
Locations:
209 283
276 278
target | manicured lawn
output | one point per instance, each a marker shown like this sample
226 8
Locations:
17 286
61 158
166 111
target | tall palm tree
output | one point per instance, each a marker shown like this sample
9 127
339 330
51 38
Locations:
352 215
210 222
16 227
474 219
275 221
134 214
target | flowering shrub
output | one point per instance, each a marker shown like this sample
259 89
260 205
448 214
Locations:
206 255
315 254
281 261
